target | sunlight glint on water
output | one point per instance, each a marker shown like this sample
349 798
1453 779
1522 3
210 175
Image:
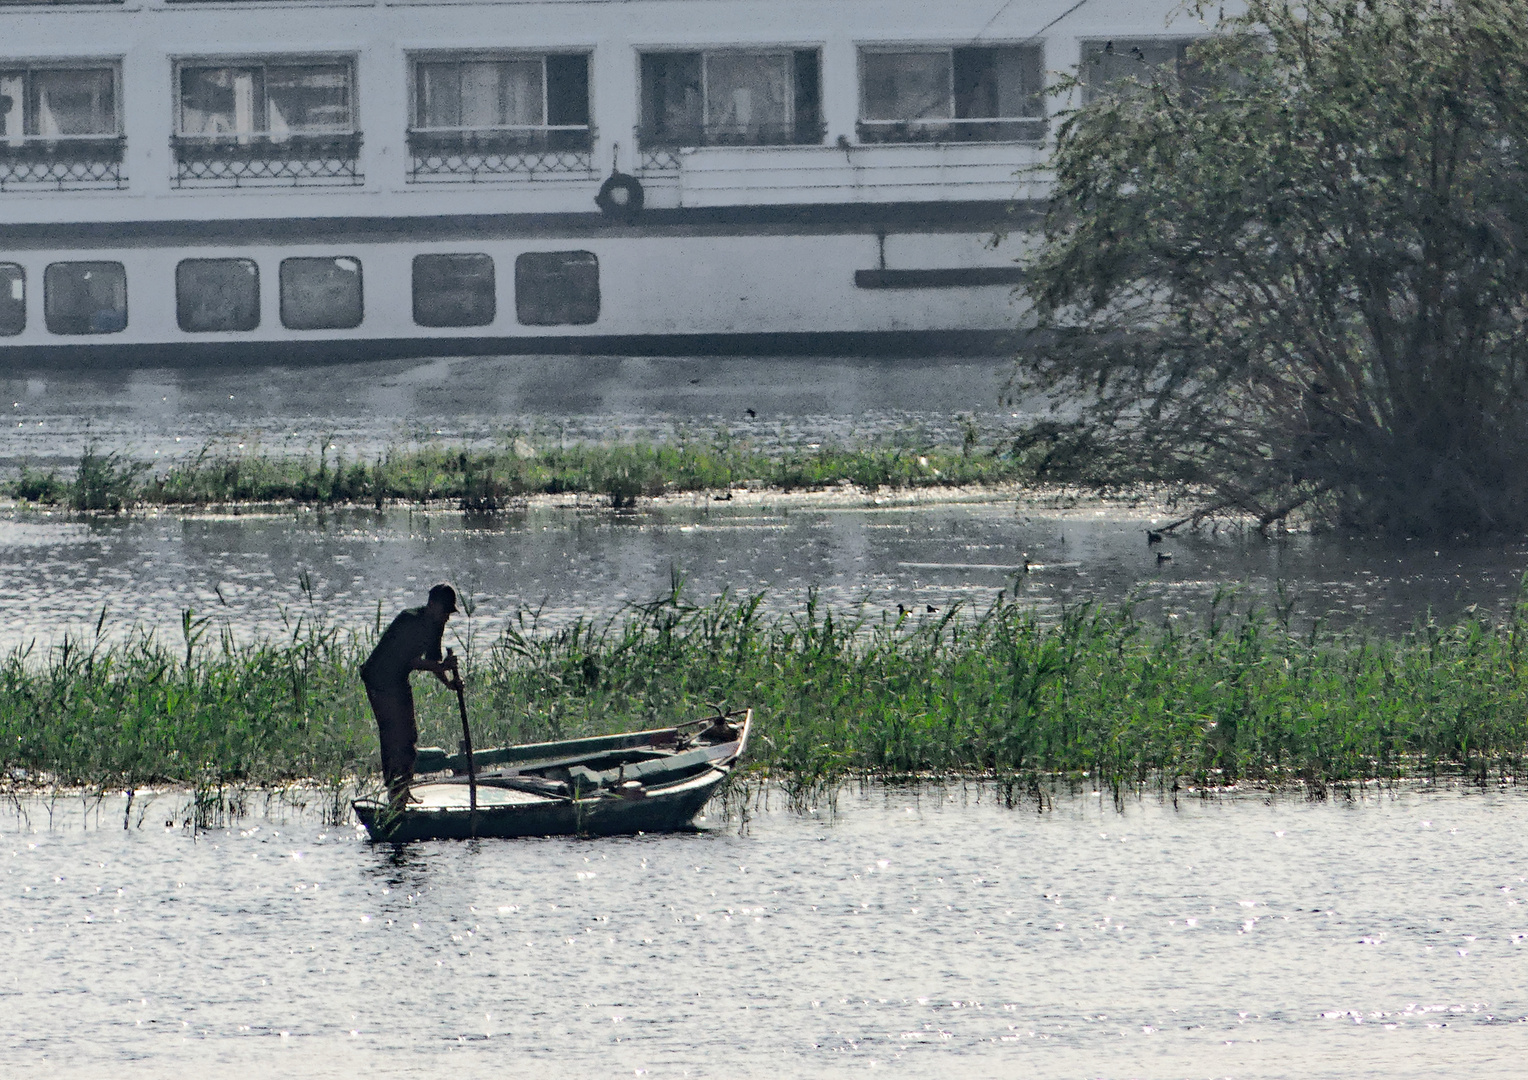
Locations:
939 935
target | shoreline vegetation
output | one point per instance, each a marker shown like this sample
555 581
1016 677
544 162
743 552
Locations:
494 478
1098 698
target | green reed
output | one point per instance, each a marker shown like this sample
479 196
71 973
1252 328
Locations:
486 479
1098 693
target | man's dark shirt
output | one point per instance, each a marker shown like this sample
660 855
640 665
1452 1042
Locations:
411 635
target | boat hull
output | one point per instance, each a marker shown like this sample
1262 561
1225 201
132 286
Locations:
673 810
661 789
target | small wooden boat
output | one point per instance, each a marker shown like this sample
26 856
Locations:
641 781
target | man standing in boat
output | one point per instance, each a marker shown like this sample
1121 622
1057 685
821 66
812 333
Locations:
410 643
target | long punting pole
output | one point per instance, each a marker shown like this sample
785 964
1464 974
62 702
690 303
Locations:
461 703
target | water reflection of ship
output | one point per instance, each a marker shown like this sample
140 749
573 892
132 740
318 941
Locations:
817 186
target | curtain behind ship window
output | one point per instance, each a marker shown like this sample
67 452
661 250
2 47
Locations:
502 94
312 98
672 105
480 94
748 93
907 86
12 106
222 101
998 83
74 102
439 90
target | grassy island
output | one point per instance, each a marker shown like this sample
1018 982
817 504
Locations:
996 694
490 478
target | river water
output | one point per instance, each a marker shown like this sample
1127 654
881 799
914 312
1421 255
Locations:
930 935
258 573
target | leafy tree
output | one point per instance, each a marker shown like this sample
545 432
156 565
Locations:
1294 269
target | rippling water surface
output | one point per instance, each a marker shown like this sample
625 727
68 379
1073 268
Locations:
932 936
58 574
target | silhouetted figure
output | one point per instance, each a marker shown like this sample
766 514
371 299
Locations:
751 413
410 643
1153 537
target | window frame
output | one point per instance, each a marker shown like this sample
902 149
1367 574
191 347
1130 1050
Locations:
1041 120
530 131
264 63
27 69
50 322
1085 47
530 286
21 275
708 134
414 295
180 313
281 293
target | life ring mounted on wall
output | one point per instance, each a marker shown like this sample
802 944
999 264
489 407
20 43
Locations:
620 196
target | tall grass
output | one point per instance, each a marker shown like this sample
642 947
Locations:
485 479
1099 693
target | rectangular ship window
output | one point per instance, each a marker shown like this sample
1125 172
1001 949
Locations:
58 103
217 294
59 127
986 94
731 98
321 294
85 298
454 290
266 99
261 122
482 114
557 288
1110 63
13 299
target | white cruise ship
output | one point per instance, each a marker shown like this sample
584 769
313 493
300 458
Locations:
236 181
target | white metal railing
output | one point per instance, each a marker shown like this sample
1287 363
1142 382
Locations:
954 129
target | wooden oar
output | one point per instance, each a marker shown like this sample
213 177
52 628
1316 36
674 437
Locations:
461 702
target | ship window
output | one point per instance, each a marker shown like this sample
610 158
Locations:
517 93
85 298
57 103
266 99
731 98
1111 63
321 294
217 294
986 94
557 288
13 299
454 290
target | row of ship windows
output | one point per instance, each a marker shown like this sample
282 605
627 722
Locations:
743 97
552 288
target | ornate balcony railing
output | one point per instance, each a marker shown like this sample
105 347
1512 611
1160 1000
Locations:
477 154
62 162
267 160
659 160
673 138
1017 129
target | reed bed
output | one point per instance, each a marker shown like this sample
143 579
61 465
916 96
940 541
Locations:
487 479
1099 696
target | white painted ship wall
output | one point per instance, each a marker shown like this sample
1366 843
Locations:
674 276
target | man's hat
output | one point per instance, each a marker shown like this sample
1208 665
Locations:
444 595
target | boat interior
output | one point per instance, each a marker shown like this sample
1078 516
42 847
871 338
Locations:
625 766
